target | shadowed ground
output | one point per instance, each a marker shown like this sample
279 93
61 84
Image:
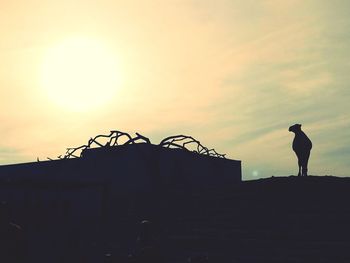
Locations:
279 219
282 219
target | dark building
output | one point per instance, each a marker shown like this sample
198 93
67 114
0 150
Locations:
77 210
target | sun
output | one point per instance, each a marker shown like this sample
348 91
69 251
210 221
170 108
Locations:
80 74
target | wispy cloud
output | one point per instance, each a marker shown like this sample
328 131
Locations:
233 74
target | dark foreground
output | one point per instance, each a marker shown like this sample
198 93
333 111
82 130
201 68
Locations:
281 219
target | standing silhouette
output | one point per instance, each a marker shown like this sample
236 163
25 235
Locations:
147 247
302 147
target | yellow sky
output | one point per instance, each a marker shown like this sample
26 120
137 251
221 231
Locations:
234 74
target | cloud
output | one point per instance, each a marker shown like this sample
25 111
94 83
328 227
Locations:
233 74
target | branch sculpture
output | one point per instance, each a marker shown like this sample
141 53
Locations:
181 141
116 138
113 139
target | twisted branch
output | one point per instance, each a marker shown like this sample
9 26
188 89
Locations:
181 141
114 139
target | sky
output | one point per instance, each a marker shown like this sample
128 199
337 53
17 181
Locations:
233 74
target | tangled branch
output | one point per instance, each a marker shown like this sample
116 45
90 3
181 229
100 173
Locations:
116 138
182 141
113 139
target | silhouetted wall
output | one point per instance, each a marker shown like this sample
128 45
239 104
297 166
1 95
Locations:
65 206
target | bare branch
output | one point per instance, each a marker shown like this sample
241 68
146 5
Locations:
182 141
114 139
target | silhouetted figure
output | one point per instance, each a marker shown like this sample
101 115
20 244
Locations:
147 249
302 147
12 245
198 259
108 258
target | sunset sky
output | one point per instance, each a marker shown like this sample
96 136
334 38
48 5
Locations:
233 74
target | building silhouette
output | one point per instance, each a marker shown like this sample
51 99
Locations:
80 208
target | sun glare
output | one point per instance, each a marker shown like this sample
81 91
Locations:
80 74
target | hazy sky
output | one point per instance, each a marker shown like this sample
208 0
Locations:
233 74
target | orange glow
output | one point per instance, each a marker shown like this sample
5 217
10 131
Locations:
80 74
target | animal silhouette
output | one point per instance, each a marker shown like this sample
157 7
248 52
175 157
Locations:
302 147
